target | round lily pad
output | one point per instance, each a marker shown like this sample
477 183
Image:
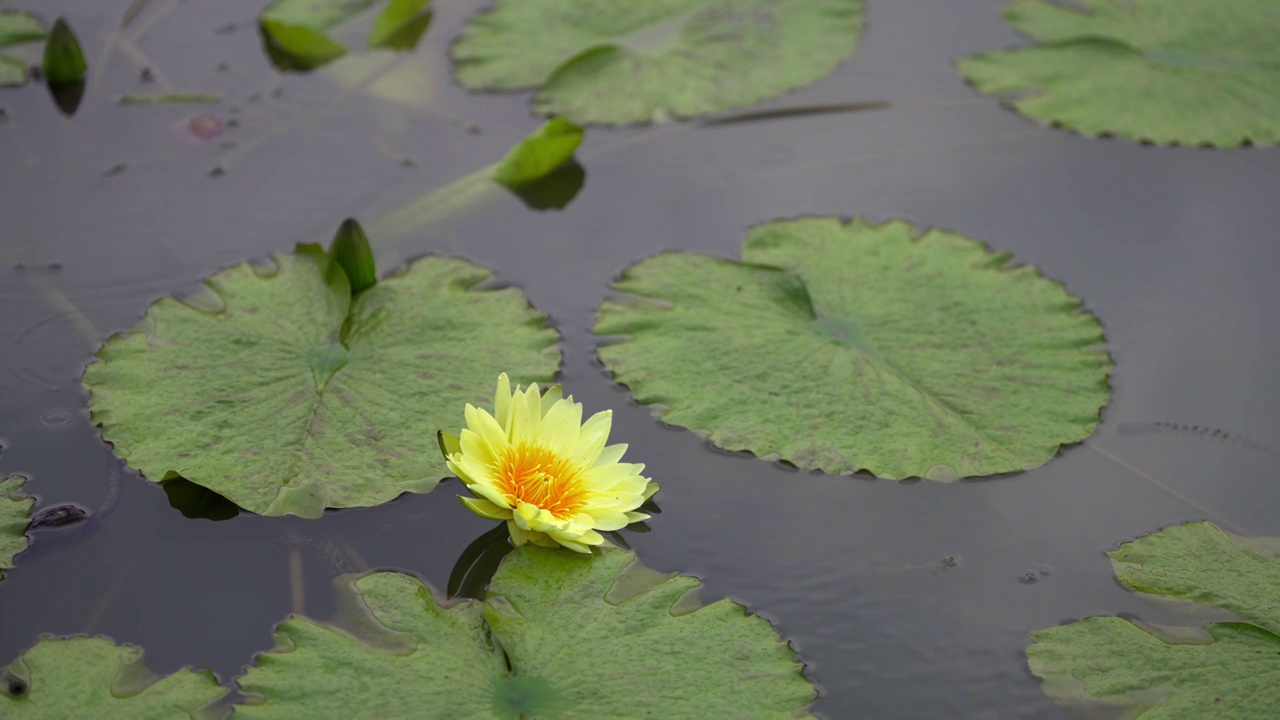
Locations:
843 347
560 636
92 677
601 61
281 392
1224 670
15 515
1190 72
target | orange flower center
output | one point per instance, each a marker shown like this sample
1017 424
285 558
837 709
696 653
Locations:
536 475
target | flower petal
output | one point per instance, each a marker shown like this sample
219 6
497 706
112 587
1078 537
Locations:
485 509
448 443
502 404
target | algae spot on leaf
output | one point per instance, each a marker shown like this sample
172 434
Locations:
15 514
1222 671
548 642
92 677
1193 72
293 395
599 61
844 347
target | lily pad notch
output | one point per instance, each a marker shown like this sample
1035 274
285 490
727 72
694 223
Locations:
559 636
1190 72
283 391
600 61
1225 669
848 346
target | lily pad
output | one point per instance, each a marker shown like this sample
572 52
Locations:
843 347
1192 72
600 61
92 677
279 391
15 514
559 636
18 27
1223 671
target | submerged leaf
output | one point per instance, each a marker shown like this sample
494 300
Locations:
1223 671
1191 72
538 155
849 346
600 61
18 27
92 677
15 514
286 395
400 25
560 636
63 58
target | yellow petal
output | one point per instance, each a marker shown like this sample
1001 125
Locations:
448 444
482 424
502 404
551 397
490 493
485 509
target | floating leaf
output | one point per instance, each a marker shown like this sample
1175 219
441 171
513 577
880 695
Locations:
1224 671
1192 72
63 58
600 61
583 637
92 677
13 71
293 31
400 25
15 513
281 392
17 27
350 251
539 154
849 346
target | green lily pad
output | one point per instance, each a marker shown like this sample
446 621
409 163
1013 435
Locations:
18 27
559 637
600 61
1191 72
279 391
15 515
92 677
850 346
1224 671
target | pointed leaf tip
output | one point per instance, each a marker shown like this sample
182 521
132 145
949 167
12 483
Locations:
63 58
400 25
351 251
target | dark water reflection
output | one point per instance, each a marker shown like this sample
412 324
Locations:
1173 248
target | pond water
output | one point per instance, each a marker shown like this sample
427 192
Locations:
907 600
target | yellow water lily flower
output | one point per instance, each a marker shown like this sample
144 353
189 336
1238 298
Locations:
535 464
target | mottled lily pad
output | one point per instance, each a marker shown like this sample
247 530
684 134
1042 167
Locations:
601 61
1223 671
15 514
17 27
1190 72
850 346
560 636
281 392
92 677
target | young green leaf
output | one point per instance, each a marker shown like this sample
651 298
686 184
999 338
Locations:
13 71
63 58
350 251
297 47
400 25
542 152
